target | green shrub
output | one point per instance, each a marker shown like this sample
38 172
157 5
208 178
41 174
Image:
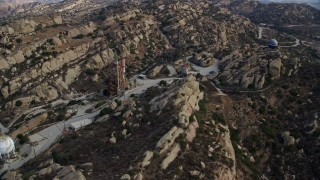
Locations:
50 41
19 40
90 72
18 103
268 131
72 102
262 109
163 83
80 36
61 158
22 138
9 46
202 106
99 104
105 111
219 118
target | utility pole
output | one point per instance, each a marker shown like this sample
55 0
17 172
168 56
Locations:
118 80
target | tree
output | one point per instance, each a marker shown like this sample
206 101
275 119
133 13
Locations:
18 103
163 83
19 40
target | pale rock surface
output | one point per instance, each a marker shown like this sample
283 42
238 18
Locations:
86 166
139 176
287 139
45 171
171 156
168 139
56 41
194 173
3 64
55 167
155 71
191 131
76 175
19 57
125 177
275 68
65 171
147 158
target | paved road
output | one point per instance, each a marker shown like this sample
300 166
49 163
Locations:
296 42
43 139
46 137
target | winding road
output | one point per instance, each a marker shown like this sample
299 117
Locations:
42 140
296 42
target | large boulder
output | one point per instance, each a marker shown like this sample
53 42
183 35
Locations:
203 59
168 139
19 57
287 139
56 41
65 171
147 158
3 64
172 155
46 91
44 171
155 71
275 68
77 175
57 19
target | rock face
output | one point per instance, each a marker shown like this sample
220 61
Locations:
31 124
224 171
203 59
171 156
155 71
188 97
55 170
146 160
168 139
191 131
253 71
275 68
287 139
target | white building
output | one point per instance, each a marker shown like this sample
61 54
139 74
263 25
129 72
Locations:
7 148
79 124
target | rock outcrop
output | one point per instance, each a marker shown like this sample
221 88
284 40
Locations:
203 59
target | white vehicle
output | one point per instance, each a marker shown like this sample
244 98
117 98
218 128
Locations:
142 76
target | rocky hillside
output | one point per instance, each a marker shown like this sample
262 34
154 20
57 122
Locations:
248 112
41 57
8 7
275 13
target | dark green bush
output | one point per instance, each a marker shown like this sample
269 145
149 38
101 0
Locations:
90 72
18 103
219 118
163 83
19 40
22 138
80 36
72 102
105 111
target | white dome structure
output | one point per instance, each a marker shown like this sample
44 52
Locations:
6 146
